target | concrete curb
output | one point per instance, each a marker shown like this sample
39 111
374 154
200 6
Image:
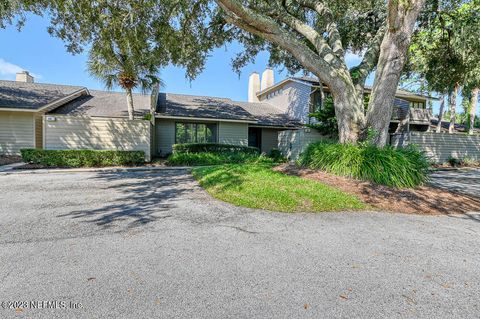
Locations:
88 170
9 167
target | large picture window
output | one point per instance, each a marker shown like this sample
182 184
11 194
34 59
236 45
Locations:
195 133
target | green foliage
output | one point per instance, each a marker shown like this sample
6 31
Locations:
327 122
445 49
147 117
462 162
258 186
357 23
213 148
82 158
217 158
276 155
405 167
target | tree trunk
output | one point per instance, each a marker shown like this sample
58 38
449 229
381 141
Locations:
452 108
349 113
440 113
131 111
473 110
402 16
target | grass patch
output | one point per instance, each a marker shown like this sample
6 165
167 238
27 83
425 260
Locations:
389 166
258 186
210 158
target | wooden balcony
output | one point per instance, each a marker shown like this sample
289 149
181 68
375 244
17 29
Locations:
415 115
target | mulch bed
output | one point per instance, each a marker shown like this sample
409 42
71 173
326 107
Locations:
421 200
9 159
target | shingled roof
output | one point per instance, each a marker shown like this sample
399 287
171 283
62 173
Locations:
32 96
106 104
114 104
192 106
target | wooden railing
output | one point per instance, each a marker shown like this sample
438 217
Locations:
415 115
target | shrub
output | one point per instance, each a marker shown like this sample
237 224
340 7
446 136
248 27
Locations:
82 158
213 148
405 167
276 155
208 158
453 161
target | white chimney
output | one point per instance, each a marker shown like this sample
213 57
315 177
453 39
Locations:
24 76
253 87
268 79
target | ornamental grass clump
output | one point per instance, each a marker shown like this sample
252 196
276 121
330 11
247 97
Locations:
402 167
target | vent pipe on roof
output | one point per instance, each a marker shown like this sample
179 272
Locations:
24 76
268 79
253 87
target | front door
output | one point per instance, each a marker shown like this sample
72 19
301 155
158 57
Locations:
255 137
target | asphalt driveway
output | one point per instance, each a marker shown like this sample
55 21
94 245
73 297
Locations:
154 245
464 181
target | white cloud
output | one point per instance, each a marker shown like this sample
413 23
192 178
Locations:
8 70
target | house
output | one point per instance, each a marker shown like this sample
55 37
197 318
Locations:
35 115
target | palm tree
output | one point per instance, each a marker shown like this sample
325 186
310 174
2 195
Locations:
122 66
123 54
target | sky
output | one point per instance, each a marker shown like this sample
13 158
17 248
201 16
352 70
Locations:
45 57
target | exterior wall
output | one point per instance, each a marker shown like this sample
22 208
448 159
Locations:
294 100
293 143
439 147
228 133
164 136
269 140
16 132
233 133
38 131
71 132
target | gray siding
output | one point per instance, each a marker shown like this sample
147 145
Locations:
164 136
233 133
293 143
439 147
294 100
71 132
16 132
269 139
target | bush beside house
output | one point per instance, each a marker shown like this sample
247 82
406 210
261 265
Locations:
405 167
217 154
82 158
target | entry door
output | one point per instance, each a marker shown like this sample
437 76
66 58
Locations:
255 137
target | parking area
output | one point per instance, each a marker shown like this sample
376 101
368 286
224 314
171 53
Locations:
153 244
466 181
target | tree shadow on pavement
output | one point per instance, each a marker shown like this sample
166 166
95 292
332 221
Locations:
144 197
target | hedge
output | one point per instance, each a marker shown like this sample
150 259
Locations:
207 158
82 158
213 148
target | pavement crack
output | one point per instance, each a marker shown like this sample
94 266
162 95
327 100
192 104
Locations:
241 229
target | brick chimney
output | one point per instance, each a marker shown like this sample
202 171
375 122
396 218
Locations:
24 76
253 87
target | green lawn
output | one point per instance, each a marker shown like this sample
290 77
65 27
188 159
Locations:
257 186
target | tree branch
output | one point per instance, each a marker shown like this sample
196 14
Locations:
265 27
370 58
335 40
322 47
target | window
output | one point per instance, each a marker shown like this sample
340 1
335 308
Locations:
315 101
417 105
195 133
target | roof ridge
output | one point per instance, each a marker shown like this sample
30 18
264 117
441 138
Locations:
41 83
215 97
